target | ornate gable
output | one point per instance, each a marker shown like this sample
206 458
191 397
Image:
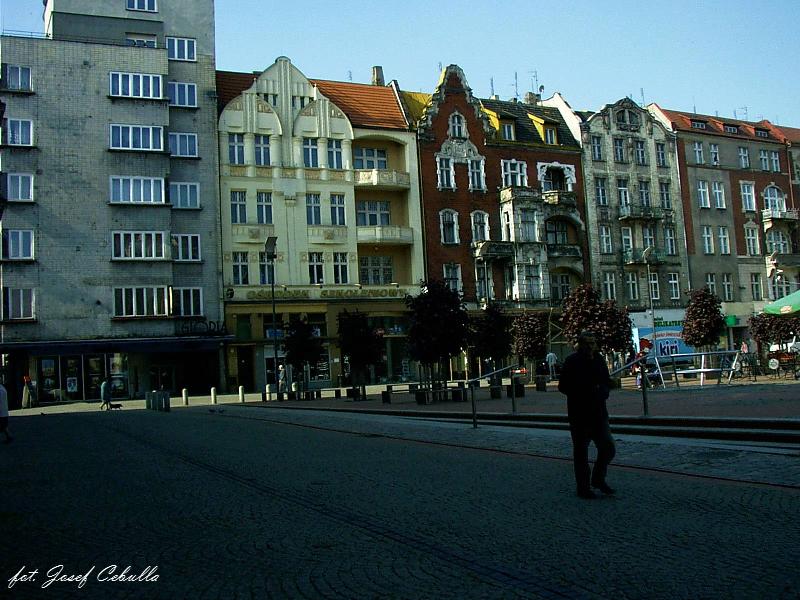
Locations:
439 95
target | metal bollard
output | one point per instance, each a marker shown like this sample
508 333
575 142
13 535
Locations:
213 395
267 393
165 401
241 394
185 394
156 402
148 400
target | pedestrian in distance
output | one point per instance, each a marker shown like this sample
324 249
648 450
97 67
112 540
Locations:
551 359
4 413
105 393
281 379
586 382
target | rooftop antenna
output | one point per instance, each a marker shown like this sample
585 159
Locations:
440 67
744 108
641 91
516 86
491 87
349 75
534 80
694 105
716 113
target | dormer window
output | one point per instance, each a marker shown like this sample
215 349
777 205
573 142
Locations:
457 128
627 119
507 130
550 135
762 133
698 124
731 128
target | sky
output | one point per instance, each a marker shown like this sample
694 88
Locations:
734 58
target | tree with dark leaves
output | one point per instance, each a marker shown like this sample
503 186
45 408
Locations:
302 347
490 333
704 321
530 331
773 329
360 343
584 310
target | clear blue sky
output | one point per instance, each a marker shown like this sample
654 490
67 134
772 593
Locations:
717 56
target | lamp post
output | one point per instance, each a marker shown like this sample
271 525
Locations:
270 256
646 256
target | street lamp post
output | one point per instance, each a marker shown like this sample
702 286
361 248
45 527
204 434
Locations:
270 256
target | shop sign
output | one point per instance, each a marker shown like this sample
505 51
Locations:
200 327
327 294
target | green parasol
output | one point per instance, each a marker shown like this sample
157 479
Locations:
788 306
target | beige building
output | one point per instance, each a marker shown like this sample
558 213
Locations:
330 170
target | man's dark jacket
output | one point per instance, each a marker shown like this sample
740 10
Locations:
586 382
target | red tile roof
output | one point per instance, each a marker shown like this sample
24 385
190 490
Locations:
369 106
791 133
682 121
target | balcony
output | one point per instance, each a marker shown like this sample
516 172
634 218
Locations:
562 197
786 260
644 213
634 256
564 250
327 234
251 234
382 179
774 214
491 249
385 234
520 194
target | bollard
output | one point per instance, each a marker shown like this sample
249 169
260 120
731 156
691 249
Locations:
185 394
213 395
241 394
155 403
165 402
267 395
337 393
148 400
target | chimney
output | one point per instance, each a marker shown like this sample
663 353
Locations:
377 76
531 98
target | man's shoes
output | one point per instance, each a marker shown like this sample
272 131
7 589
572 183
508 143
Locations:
587 494
604 487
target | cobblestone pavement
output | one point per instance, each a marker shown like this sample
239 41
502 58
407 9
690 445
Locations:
237 504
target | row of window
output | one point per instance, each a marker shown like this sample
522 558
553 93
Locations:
363 158
146 86
621 151
514 172
648 239
769 159
624 194
372 270
631 282
458 129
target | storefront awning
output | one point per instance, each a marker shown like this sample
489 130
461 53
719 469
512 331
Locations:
167 344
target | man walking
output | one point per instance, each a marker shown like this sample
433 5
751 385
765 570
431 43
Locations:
4 413
551 359
585 381
105 393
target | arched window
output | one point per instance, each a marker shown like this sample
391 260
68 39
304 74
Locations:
480 226
621 117
448 226
774 199
457 127
777 242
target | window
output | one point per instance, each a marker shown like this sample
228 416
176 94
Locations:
748 196
262 150
755 286
136 137
483 281
508 131
727 287
135 85
664 195
661 155
376 270
266 270
373 212
719 194
528 231
141 301
713 150
632 284
627 238
183 144
264 208
184 195
703 200
549 135
711 282
641 153
19 187
744 158
337 209
559 287
731 128
751 241
448 226
698 153
763 157
445 173
335 154
669 241
609 285
777 242
138 245
606 245
18 244
477 177
776 161
480 226
313 210
773 199
187 302
457 126
779 287
369 158
698 124
238 207
310 153
315 268
19 132
655 292
762 133
17 78
148 5
644 193
141 40
673 283
619 150
241 271
146 190
724 240
515 173
236 148
600 192
556 232
181 49
182 94
708 240
622 192
186 247
597 147
452 276
648 236
18 303
340 274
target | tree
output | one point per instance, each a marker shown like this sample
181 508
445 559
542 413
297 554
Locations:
302 347
361 344
584 310
772 329
490 333
614 328
437 326
530 332
704 320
